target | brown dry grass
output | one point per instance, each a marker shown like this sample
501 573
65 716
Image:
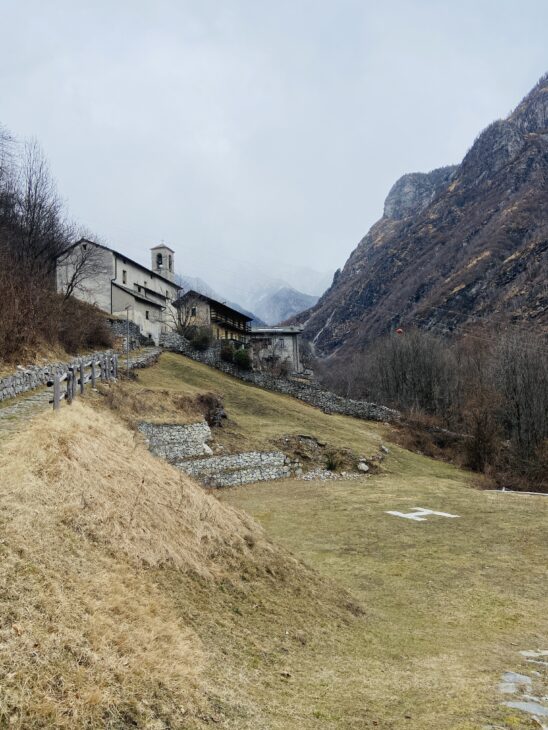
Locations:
132 402
114 569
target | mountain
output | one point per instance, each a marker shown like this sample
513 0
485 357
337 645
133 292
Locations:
455 246
195 283
282 303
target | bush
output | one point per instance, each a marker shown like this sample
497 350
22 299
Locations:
83 327
34 317
201 339
242 359
227 352
333 461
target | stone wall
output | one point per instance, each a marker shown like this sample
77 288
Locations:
174 442
233 469
119 328
307 391
34 376
178 444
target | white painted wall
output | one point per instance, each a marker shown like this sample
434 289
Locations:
120 284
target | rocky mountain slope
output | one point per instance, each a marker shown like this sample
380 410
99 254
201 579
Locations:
281 303
455 247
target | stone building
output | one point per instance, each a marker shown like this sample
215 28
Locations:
121 286
225 323
277 346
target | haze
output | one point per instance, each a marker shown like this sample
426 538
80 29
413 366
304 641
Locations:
258 139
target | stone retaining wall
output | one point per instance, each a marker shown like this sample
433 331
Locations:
309 392
29 378
174 442
179 443
119 328
233 469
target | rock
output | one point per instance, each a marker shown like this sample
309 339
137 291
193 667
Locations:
385 449
362 466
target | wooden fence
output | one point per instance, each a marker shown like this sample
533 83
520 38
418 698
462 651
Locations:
102 368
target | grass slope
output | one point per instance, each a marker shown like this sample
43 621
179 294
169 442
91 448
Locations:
131 598
448 603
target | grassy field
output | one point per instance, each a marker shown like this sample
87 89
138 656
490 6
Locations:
131 597
448 603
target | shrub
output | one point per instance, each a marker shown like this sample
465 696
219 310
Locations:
34 316
227 352
333 461
201 338
83 326
242 359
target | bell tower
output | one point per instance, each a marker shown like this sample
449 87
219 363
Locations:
163 261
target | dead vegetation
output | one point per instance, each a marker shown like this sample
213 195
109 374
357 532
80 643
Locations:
133 403
313 453
34 235
481 402
114 567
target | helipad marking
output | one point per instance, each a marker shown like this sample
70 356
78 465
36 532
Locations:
419 514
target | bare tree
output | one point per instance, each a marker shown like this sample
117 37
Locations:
42 231
81 263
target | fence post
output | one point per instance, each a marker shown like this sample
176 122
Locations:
93 374
115 361
56 392
107 368
69 386
81 377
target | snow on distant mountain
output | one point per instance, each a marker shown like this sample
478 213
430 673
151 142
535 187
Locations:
195 283
277 305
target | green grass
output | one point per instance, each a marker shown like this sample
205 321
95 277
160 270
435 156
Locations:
448 604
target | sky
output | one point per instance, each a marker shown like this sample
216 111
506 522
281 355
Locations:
258 139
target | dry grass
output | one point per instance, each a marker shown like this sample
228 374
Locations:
258 418
120 579
132 402
131 598
449 603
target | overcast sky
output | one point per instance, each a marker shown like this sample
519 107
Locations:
254 132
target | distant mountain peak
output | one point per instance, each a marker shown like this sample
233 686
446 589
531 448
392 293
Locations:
458 245
414 191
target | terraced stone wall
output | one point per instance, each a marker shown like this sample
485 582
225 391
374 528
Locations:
307 391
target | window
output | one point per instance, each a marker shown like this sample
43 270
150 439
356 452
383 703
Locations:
159 261
146 313
139 289
170 259
193 311
124 276
281 342
144 283
167 294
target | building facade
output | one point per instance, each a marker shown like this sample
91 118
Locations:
225 323
122 287
278 346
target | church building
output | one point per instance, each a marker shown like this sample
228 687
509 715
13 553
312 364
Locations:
123 287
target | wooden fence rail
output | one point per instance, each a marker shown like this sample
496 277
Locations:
103 368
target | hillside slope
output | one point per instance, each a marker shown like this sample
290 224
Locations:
124 587
455 246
